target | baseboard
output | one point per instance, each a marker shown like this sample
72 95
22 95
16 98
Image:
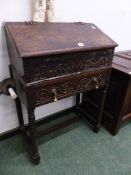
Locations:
39 122
9 133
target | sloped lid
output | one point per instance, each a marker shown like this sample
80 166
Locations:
54 38
122 61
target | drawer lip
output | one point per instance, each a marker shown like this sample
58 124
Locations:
67 77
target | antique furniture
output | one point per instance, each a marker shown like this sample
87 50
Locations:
52 61
117 108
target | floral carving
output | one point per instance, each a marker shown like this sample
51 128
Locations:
65 64
44 93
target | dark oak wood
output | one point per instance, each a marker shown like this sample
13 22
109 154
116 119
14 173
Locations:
31 40
121 86
33 138
51 61
117 110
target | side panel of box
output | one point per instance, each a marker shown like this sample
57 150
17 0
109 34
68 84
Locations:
15 61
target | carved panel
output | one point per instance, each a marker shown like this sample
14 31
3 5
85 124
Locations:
44 94
65 64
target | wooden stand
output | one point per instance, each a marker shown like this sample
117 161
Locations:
53 61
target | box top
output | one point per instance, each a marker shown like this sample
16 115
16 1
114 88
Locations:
41 39
122 61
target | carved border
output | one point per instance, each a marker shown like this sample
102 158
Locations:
68 88
66 64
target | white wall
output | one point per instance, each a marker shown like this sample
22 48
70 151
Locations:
113 17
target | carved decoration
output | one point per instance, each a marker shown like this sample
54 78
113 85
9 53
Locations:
64 65
44 93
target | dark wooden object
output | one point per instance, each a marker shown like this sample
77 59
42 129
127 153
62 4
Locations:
56 60
117 108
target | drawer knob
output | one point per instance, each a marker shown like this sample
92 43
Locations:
96 82
54 94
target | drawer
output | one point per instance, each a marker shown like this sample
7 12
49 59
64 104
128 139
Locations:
43 68
56 90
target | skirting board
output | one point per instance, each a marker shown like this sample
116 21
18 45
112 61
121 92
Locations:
39 122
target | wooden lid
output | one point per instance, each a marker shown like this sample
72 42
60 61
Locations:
122 61
54 38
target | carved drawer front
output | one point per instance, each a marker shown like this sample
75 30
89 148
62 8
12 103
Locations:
65 64
54 91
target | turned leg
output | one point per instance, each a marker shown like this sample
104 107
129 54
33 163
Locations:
19 113
77 100
33 138
114 130
101 108
102 102
77 103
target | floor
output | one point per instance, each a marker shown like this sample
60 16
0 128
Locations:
74 150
